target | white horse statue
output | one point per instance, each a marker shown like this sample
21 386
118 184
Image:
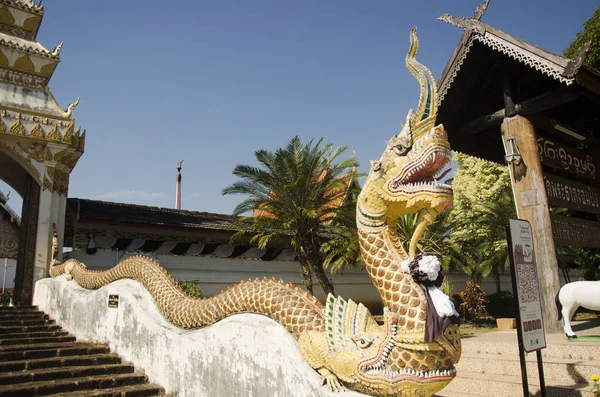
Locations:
572 295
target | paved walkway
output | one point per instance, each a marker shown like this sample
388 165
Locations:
581 328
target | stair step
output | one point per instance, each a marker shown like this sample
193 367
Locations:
44 388
27 322
147 390
554 368
19 309
41 346
12 315
39 334
46 339
28 328
486 385
23 352
53 362
47 374
38 358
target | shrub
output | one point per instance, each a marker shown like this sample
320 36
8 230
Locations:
474 301
502 305
5 297
192 288
457 300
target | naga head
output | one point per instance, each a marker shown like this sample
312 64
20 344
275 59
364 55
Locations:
378 360
407 176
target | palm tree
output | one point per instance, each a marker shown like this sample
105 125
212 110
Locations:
342 247
436 240
494 216
294 192
477 262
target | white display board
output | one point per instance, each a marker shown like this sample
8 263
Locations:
527 288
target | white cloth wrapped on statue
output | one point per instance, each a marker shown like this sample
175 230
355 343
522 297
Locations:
441 313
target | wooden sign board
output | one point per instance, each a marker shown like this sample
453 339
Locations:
526 286
559 156
565 193
576 232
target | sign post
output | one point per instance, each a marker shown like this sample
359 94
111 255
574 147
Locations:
530 324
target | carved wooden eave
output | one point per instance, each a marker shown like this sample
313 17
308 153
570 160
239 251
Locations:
548 63
544 86
21 18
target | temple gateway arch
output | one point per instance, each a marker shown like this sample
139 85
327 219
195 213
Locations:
39 144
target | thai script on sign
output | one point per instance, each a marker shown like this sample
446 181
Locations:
565 193
557 155
575 232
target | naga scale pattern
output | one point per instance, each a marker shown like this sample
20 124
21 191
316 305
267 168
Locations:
295 309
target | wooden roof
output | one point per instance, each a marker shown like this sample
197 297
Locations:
543 84
94 210
164 230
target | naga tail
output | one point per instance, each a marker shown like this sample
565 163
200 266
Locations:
295 309
558 305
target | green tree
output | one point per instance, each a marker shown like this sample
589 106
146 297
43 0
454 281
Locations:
591 33
483 203
342 247
588 261
294 192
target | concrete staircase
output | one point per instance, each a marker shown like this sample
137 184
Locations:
38 358
490 367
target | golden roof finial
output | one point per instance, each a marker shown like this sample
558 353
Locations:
56 51
71 107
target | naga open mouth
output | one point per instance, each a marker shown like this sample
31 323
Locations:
424 174
382 369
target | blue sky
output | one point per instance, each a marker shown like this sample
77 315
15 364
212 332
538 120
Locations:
211 82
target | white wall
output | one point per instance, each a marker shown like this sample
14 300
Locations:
8 278
245 355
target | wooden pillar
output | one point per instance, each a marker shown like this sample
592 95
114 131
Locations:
27 242
532 205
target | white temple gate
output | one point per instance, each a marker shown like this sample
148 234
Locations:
39 145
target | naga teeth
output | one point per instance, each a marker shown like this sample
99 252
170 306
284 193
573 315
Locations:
389 373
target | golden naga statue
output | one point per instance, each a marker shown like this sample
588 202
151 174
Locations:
413 353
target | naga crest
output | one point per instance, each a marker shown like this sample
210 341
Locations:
406 178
